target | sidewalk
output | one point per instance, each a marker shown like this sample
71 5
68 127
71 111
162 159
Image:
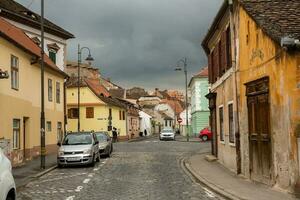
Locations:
31 169
226 183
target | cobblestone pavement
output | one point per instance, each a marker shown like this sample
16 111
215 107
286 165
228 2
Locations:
148 169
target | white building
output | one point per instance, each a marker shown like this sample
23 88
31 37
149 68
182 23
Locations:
55 36
145 123
183 123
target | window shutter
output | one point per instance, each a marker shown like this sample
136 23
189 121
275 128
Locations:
90 112
223 52
228 48
210 71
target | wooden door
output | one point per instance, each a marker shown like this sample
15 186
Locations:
259 131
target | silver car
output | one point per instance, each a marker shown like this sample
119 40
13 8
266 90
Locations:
78 149
167 134
105 143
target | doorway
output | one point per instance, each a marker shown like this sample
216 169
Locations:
260 149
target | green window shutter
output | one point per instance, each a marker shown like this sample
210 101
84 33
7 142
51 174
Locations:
52 56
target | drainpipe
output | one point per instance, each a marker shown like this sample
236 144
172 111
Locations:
234 65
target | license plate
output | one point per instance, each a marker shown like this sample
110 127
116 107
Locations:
73 159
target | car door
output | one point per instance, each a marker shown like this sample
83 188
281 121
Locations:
95 144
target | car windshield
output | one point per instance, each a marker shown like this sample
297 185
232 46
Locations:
167 131
101 137
78 139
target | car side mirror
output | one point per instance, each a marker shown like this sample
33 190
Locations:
59 144
96 142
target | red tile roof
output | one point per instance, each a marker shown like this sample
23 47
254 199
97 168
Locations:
202 73
97 87
21 40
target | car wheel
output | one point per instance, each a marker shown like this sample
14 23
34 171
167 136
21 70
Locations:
204 138
98 158
93 161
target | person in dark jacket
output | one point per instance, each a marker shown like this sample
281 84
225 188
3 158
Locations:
115 135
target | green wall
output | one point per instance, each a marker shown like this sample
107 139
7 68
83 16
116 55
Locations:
200 120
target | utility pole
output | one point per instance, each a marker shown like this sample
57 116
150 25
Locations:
43 142
178 68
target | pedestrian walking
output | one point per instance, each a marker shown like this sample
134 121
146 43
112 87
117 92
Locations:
115 135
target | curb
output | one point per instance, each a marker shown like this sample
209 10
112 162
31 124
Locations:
33 177
44 172
141 138
202 181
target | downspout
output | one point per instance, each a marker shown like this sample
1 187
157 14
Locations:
234 65
65 106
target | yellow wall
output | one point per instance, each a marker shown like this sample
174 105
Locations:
25 102
284 95
101 112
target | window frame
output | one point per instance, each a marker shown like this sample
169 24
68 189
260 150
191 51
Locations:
50 90
71 113
221 126
49 128
14 79
57 89
233 123
52 52
17 130
89 112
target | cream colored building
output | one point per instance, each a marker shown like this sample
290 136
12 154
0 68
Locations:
98 111
20 96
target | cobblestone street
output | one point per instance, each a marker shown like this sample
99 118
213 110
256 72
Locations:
148 169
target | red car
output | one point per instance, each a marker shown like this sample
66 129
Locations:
205 134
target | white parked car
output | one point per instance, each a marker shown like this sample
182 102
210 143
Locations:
7 183
167 134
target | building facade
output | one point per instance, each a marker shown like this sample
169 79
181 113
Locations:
55 36
258 97
198 87
20 96
98 111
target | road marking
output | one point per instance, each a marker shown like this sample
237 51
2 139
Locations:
86 180
96 169
70 197
209 193
78 189
91 174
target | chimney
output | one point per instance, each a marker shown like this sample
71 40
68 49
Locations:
125 95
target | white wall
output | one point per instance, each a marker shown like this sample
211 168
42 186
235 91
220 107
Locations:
145 122
49 39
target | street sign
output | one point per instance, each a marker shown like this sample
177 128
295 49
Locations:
179 120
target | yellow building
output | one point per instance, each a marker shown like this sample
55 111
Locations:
20 96
98 111
264 83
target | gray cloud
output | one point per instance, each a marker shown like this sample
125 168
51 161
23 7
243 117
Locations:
136 42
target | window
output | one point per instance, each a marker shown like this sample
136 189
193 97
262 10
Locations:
221 123
230 123
120 115
52 56
49 126
89 112
57 92
170 123
16 133
14 63
123 115
50 90
73 113
166 122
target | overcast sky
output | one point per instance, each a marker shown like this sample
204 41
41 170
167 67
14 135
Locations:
136 42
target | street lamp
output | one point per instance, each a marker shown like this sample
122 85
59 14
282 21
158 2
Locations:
42 119
89 58
184 68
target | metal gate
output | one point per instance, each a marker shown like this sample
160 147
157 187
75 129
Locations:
260 149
